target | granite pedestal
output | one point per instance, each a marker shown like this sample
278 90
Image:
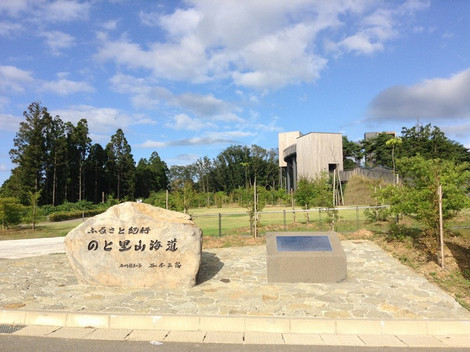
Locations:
305 257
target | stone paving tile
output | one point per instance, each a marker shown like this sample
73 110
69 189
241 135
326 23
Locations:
303 339
224 337
232 281
260 338
72 333
382 341
109 334
185 336
455 340
39 331
342 340
421 341
147 335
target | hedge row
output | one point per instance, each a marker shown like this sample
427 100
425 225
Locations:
77 214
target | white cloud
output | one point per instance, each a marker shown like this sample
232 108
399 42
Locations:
375 29
45 10
280 59
100 120
9 29
185 122
459 132
57 41
183 159
64 10
202 105
13 7
145 94
67 87
256 44
110 25
438 98
226 137
14 79
9 122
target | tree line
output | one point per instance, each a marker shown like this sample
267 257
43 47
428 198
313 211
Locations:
57 162
427 141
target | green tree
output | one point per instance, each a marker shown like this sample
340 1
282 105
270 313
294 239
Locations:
29 151
351 154
56 147
95 173
315 192
431 143
238 166
230 170
10 211
376 151
418 196
246 199
178 175
184 197
394 143
82 145
151 176
34 202
120 166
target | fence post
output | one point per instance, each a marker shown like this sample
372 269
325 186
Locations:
357 218
284 216
220 224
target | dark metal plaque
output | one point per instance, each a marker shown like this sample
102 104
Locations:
303 244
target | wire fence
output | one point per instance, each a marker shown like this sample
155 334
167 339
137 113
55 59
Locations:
346 219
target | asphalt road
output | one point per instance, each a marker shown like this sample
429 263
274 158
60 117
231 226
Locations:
12 343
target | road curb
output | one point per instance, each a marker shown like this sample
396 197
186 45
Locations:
262 324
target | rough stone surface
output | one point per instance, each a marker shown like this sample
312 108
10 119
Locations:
136 245
232 282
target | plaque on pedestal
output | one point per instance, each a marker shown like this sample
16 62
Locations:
305 257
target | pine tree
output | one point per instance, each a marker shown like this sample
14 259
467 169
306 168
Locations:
30 150
121 166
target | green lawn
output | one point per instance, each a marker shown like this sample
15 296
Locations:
235 220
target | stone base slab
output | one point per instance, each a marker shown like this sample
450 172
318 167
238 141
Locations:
304 264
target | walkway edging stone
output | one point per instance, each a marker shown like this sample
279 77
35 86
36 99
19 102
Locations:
236 323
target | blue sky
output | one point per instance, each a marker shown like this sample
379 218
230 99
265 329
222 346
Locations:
190 78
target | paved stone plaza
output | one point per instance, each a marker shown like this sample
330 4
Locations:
232 282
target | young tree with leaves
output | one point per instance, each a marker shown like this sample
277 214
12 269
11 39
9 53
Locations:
417 194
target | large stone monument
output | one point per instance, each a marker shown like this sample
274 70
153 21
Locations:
136 245
305 257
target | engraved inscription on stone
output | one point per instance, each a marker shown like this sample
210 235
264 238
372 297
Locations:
136 245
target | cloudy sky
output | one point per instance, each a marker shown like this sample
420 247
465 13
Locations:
189 78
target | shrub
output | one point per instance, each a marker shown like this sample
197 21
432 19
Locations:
10 211
77 214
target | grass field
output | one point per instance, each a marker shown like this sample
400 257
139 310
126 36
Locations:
235 221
